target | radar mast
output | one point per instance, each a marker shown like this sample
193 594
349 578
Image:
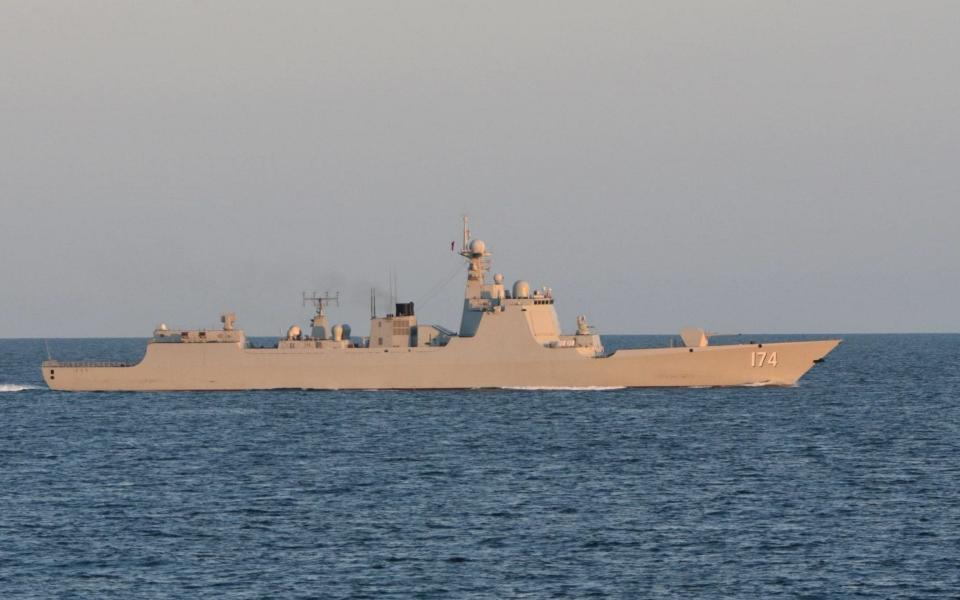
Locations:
475 251
320 328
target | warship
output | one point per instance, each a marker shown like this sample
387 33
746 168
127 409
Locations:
508 338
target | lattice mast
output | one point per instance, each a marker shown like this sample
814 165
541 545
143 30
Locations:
320 328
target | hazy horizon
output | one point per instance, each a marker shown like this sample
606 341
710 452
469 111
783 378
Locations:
753 166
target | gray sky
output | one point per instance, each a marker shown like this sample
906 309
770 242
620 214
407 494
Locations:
751 166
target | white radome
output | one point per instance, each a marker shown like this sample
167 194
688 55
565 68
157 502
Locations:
477 247
521 289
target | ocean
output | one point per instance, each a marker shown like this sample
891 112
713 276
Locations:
846 485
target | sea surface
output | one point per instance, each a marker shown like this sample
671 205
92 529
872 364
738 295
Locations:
847 485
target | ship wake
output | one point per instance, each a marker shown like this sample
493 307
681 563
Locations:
752 384
546 388
16 387
768 384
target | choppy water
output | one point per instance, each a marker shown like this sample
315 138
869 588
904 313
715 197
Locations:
847 485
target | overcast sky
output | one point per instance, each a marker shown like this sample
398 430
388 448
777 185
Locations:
754 166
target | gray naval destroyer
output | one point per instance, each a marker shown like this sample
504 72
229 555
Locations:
508 338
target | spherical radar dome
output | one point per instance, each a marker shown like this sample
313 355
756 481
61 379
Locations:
477 247
498 278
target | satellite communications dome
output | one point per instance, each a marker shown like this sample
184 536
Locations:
338 332
293 333
477 247
498 278
521 289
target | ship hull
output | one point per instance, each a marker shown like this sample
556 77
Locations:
463 363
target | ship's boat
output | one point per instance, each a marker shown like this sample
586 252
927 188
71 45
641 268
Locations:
508 338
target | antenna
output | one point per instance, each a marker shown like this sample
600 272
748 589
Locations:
393 285
396 286
47 345
373 303
321 302
466 233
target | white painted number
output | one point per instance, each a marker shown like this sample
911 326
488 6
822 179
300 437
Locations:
759 359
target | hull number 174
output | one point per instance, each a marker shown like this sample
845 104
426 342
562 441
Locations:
763 359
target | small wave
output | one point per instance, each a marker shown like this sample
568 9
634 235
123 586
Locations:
548 388
16 387
768 383
752 384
